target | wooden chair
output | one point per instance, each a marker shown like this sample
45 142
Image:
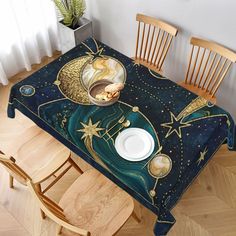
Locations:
154 38
35 155
92 205
209 63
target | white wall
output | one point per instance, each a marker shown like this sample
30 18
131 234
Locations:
114 24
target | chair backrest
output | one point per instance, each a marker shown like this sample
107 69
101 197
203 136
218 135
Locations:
13 168
209 63
154 38
54 212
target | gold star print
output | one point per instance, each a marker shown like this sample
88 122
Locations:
90 129
95 55
202 156
175 125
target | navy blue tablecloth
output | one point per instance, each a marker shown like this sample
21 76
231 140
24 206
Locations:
187 129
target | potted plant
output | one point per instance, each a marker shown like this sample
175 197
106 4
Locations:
73 28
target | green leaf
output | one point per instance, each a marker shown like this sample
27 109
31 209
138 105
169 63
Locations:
79 8
71 10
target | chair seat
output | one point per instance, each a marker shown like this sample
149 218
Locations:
200 92
148 65
10 130
37 153
96 204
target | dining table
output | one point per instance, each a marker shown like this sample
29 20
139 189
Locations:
187 129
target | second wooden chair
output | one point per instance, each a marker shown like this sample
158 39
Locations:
209 63
154 38
92 205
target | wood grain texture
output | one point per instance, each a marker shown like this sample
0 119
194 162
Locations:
154 38
37 154
9 226
155 22
92 205
208 65
206 209
95 203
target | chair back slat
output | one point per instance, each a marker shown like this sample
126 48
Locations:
136 54
55 212
189 65
195 63
53 207
199 66
154 38
151 44
142 42
204 69
162 50
159 47
50 203
221 79
218 75
155 47
213 73
165 53
147 40
9 163
207 72
17 170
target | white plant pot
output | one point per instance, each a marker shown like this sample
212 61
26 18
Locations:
69 38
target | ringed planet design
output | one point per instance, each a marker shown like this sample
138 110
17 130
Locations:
27 90
160 166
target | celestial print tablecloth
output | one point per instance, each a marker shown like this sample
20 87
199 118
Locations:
187 129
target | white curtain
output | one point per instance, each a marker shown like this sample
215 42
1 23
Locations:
28 31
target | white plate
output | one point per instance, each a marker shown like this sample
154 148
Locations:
134 144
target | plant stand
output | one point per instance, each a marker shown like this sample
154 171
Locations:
69 38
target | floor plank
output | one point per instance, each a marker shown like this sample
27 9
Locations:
9 225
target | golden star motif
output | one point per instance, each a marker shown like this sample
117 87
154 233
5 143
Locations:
90 129
95 55
175 125
202 156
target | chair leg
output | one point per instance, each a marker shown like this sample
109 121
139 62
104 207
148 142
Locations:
11 181
135 216
75 166
38 187
59 230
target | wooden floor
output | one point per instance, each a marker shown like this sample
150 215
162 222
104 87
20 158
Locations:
207 208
